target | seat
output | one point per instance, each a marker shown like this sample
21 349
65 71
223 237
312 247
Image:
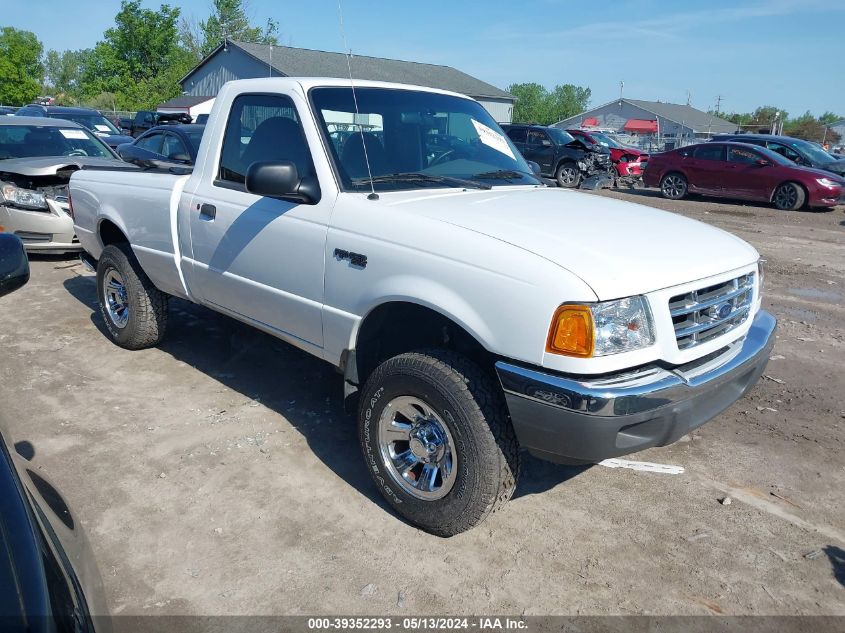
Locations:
275 139
354 160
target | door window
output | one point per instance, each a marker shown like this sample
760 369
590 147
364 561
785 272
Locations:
710 152
262 128
786 152
742 155
536 137
173 145
517 134
151 143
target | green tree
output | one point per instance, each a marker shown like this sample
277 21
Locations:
229 20
535 104
21 70
810 128
139 60
829 117
64 72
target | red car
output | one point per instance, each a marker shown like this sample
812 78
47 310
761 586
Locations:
629 161
739 170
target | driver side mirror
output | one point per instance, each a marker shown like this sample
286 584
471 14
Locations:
762 162
14 265
180 157
280 179
546 142
535 168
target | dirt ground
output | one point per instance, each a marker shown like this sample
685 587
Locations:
217 473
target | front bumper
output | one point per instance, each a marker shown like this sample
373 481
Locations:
47 231
587 419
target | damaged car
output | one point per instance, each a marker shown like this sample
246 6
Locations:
37 158
568 160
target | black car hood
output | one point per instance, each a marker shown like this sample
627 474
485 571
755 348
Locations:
835 166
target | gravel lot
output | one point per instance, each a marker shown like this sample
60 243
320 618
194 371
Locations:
217 473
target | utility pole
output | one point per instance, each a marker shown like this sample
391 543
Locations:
689 96
718 103
621 88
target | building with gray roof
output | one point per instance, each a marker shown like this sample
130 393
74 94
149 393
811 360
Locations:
240 60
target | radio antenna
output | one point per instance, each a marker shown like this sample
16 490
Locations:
348 52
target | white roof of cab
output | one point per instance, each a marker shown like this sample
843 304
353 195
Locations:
267 83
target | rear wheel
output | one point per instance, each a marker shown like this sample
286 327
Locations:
568 175
674 186
789 197
134 310
437 440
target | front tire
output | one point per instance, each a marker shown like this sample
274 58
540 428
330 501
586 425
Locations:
134 310
568 175
437 441
674 186
789 197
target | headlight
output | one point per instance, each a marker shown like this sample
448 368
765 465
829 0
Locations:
601 329
827 182
23 198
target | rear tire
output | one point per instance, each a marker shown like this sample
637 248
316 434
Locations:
674 186
134 310
568 175
789 197
430 411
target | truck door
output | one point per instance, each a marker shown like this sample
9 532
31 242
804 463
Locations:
541 150
256 257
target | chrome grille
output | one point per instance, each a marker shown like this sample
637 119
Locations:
705 313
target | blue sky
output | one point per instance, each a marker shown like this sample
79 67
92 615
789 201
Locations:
752 53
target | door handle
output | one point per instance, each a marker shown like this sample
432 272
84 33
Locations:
207 211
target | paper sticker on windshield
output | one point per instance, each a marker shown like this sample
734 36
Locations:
491 138
103 128
74 134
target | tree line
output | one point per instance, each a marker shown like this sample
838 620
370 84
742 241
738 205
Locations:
136 65
806 126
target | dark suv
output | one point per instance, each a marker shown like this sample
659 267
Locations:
86 117
797 150
560 155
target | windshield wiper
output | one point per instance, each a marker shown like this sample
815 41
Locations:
503 174
413 176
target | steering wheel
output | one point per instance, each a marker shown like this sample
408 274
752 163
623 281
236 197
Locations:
454 153
76 152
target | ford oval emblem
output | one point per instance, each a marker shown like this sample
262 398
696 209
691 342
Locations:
724 311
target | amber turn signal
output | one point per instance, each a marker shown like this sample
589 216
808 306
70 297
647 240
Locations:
571 332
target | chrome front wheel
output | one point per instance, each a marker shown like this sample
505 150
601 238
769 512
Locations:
115 298
417 448
674 186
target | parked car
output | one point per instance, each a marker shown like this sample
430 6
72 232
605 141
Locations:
48 577
568 160
165 143
86 117
37 157
797 150
7 111
628 161
201 119
147 119
470 309
740 170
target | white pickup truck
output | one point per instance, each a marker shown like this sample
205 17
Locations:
396 233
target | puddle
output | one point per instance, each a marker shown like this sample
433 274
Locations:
819 295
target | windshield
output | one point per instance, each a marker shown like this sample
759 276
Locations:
414 139
560 137
94 122
195 138
29 141
606 140
813 152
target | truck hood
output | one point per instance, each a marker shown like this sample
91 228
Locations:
49 165
617 248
